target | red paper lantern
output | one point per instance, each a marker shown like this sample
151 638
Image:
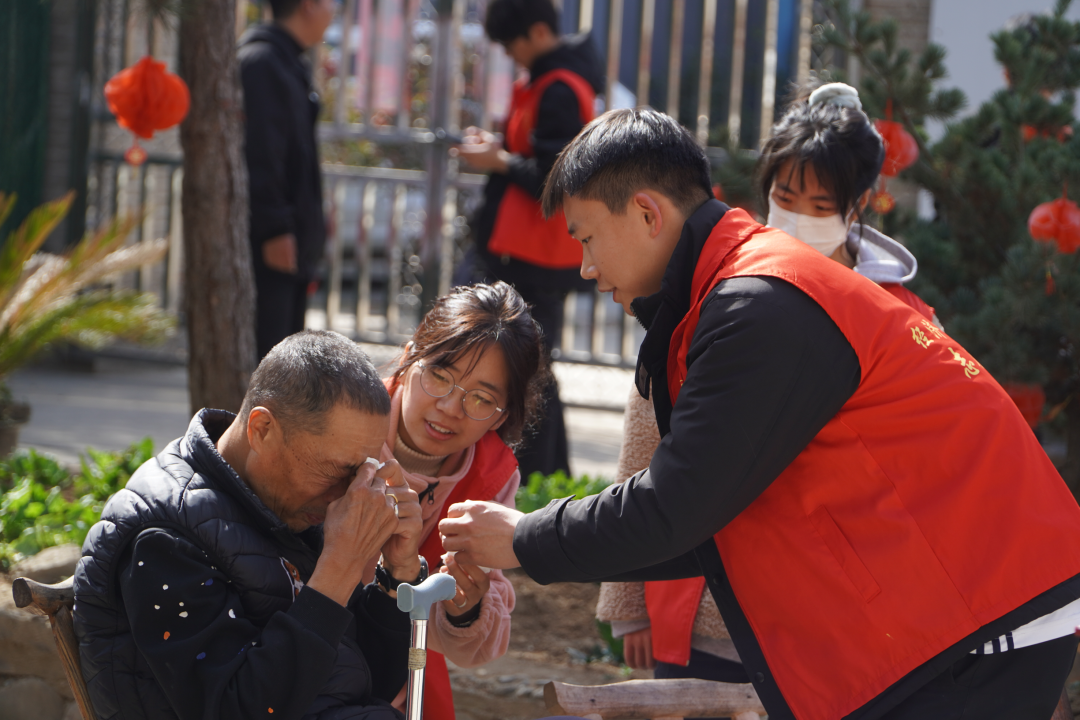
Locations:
146 98
1057 221
1061 134
901 150
1030 399
882 202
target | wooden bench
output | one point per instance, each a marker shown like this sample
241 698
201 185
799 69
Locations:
656 699
671 699
56 602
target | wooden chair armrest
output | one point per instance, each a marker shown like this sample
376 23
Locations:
44 598
653 699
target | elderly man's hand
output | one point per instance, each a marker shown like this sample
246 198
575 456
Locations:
357 525
481 533
400 553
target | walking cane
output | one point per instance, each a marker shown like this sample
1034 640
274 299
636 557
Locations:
417 601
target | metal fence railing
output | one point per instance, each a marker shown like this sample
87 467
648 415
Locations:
400 79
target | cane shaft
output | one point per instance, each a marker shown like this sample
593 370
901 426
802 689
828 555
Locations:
414 701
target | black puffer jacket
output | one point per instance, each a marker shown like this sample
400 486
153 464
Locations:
281 107
190 603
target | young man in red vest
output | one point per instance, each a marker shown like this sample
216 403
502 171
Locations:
514 242
882 532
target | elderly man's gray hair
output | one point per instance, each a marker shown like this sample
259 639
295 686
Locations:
307 374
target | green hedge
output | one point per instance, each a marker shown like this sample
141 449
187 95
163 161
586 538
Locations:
42 504
542 489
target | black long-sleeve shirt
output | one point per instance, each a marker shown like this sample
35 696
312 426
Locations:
213 662
767 369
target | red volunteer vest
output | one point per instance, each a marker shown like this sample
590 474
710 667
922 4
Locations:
493 464
673 604
907 297
922 511
520 228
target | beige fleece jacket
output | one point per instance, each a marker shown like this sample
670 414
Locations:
624 603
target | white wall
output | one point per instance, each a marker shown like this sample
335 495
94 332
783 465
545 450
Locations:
964 27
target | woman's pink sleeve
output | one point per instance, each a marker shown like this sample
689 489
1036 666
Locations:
488 636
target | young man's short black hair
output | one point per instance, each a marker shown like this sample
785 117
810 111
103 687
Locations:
305 375
284 8
510 19
625 151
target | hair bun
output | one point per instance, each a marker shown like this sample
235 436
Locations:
839 94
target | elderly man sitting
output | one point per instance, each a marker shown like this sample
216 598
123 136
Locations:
225 580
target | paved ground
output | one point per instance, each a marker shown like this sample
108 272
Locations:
118 402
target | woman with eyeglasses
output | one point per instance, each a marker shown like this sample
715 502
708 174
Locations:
464 389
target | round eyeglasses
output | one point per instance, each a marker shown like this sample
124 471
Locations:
439 382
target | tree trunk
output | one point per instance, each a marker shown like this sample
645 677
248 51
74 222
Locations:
219 287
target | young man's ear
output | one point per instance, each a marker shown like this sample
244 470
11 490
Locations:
539 31
649 210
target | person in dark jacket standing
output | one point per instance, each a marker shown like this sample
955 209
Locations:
281 106
881 531
514 243
224 581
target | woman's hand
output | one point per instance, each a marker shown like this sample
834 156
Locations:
472 585
637 649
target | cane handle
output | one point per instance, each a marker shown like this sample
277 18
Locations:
418 599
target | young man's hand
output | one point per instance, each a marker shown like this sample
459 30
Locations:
279 253
481 533
482 150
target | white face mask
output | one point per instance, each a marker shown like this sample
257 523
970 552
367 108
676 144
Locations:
824 234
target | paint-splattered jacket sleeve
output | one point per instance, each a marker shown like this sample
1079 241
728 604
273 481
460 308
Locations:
213 661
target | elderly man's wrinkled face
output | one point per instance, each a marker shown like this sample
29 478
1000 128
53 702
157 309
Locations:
298 474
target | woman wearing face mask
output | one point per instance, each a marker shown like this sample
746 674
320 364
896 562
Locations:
816 174
464 389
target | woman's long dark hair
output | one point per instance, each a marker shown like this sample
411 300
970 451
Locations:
840 143
482 316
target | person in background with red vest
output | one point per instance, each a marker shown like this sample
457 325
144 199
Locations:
514 242
465 388
816 174
881 531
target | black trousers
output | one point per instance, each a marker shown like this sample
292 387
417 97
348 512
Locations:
1023 684
547 449
280 305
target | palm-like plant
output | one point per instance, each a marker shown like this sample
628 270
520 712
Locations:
46 298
